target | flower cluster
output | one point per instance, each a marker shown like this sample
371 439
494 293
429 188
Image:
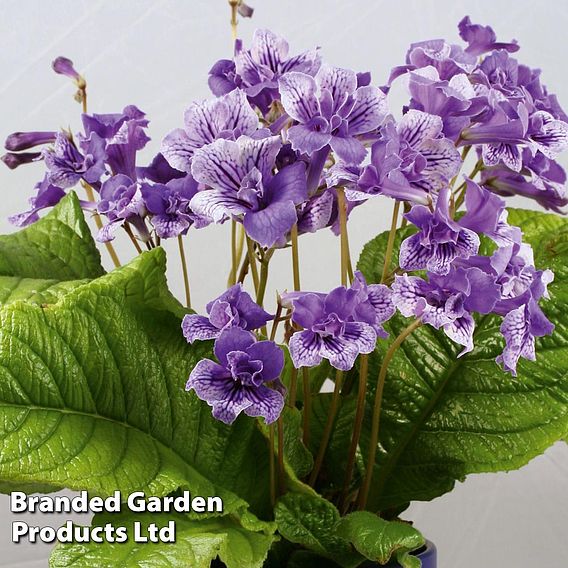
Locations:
290 144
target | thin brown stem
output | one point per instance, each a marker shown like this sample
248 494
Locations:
263 277
364 491
252 263
234 4
293 387
326 435
390 241
128 231
276 320
307 410
234 263
184 271
344 239
281 481
295 257
357 427
272 469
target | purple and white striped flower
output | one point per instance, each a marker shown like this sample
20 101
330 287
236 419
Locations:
229 116
233 308
238 382
243 186
331 110
439 241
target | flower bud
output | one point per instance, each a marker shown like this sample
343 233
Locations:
64 66
15 160
245 11
23 140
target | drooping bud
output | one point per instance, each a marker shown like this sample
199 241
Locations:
245 11
23 140
15 160
64 66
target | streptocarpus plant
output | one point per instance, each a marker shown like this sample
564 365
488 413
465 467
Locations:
426 342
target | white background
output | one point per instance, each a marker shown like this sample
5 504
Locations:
156 54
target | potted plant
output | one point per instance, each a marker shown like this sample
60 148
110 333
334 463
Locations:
317 417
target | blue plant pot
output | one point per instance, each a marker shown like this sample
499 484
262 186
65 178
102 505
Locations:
427 556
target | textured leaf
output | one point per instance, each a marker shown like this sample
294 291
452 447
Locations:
92 397
310 520
59 246
35 290
444 417
198 542
377 539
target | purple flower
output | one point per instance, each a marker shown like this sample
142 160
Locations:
169 206
47 195
259 68
482 39
67 165
63 66
412 161
159 171
374 304
330 329
120 201
486 214
439 241
123 134
331 109
447 301
240 175
18 141
229 116
448 60
520 327
13 160
315 213
223 77
233 308
541 179
238 382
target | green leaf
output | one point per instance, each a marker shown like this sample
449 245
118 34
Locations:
310 520
197 543
377 539
92 397
57 247
35 290
443 417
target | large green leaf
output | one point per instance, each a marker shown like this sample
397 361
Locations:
310 520
444 417
197 543
379 540
92 397
58 247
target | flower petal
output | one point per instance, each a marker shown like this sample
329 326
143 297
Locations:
305 348
196 327
298 96
461 331
415 127
232 339
270 224
272 358
265 402
368 112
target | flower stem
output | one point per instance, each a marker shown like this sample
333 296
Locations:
390 242
184 271
307 410
263 277
364 491
129 232
276 320
99 224
293 387
234 4
252 263
295 257
346 268
357 427
234 263
326 435
271 465
281 483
